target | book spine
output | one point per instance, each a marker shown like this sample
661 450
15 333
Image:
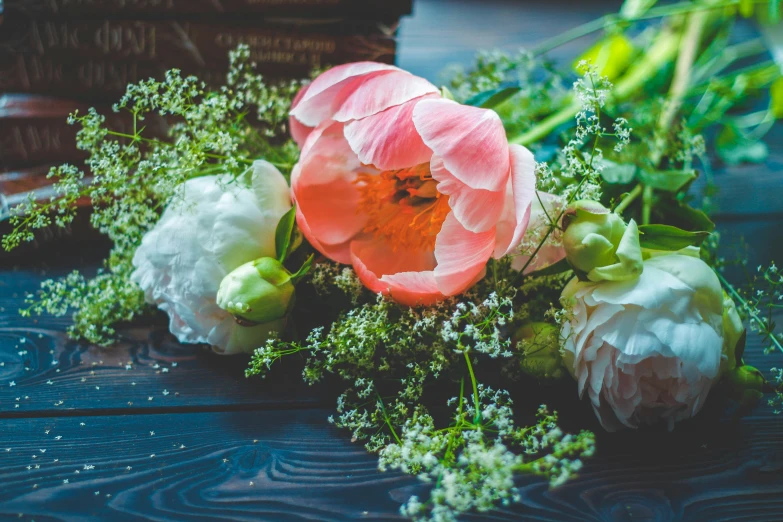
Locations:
34 131
367 9
96 60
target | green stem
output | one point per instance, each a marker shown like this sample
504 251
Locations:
628 199
475 386
647 201
660 52
552 226
387 420
753 316
689 46
610 20
159 142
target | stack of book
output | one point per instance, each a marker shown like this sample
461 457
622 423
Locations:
60 55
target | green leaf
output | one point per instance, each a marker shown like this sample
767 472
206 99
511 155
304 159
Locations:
617 173
776 98
283 233
555 268
734 148
667 180
669 238
611 56
746 8
494 97
303 271
774 11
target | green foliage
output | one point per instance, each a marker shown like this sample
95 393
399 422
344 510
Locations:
284 234
669 238
734 148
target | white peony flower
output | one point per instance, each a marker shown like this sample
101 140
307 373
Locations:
213 227
647 348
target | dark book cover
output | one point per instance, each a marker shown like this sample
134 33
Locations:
34 130
357 9
96 59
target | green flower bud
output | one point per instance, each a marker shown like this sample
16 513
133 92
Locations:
745 384
540 346
257 292
733 335
599 245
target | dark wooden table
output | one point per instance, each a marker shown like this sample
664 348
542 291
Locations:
154 430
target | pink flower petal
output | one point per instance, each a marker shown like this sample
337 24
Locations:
327 92
413 288
340 253
471 141
403 274
324 188
388 140
380 92
299 131
516 213
477 210
462 256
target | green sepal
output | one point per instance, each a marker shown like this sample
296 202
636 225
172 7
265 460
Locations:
303 270
283 234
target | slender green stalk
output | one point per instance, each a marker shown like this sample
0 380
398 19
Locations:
136 137
475 385
661 52
647 203
610 20
386 419
628 199
753 316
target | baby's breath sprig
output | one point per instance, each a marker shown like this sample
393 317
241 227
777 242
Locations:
760 304
389 355
132 173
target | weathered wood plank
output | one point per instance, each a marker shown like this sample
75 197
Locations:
44 372
285 466
223 466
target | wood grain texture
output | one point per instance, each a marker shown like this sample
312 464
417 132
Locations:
287 466
147 370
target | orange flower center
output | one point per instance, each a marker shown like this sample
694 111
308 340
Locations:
404 206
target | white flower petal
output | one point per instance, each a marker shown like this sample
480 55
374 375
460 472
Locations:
215 224
647 348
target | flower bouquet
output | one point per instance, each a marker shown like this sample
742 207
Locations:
432 247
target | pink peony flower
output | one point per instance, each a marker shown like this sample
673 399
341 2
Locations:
415 191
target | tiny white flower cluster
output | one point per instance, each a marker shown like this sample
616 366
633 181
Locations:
478 326
472 470
325 276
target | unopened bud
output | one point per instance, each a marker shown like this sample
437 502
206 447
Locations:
257 292
599 245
